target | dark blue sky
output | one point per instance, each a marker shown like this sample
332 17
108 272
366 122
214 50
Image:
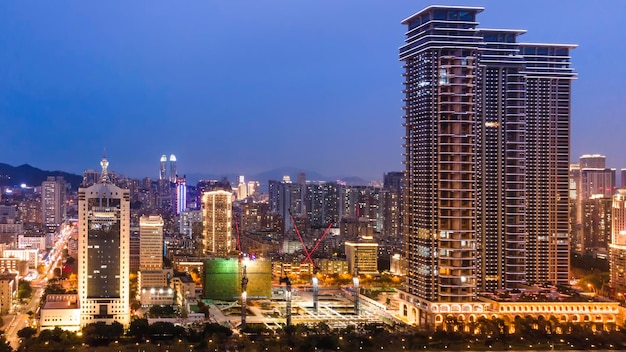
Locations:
247 86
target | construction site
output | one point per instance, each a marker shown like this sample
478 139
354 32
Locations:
242 291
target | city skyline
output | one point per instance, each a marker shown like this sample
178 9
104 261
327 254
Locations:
226 78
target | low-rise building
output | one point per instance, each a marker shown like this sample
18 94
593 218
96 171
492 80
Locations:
62 311
8 290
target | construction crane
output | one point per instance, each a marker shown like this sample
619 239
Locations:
284 279
308 258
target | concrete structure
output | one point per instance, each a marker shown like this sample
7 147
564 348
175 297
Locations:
362 256
217 222
104 251
487 159
151 242
62 311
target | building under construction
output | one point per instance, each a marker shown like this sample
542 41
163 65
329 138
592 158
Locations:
222 278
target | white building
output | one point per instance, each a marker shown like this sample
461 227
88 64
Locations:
104 252
60 310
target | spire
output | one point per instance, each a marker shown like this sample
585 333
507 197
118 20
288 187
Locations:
104 163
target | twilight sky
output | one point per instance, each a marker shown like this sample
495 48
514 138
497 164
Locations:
246 86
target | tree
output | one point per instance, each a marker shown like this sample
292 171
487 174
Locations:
26 333
100 334
138 328
24 290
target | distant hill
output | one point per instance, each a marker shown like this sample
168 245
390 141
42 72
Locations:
276 174
32 176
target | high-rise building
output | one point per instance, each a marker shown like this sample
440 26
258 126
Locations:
90 177
286 199
163 168
592 161
617 256
487 159
217 219
173 171
181 195
151 242
242 188
595 185
103 255
53 202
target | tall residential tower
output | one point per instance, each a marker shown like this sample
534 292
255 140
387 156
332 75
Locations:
487 160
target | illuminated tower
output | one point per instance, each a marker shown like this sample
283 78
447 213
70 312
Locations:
151 242
173 172
163 168
487 160
103 252
217 222
181 195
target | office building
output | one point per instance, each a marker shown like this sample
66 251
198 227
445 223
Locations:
53 202
217 219
103 255
151 242
362 256
487 159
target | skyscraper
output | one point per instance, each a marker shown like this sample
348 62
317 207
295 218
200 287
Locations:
181 195
53 202
487 160
151 242
163 168
103 254
173 171
217 219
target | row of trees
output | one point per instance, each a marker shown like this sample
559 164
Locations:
489 334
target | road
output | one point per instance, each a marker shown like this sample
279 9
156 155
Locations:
21 319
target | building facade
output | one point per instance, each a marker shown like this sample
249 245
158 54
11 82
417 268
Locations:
617 248
217 219
103 255
151 242
487 158
53 202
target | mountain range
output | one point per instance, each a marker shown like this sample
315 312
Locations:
32 176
